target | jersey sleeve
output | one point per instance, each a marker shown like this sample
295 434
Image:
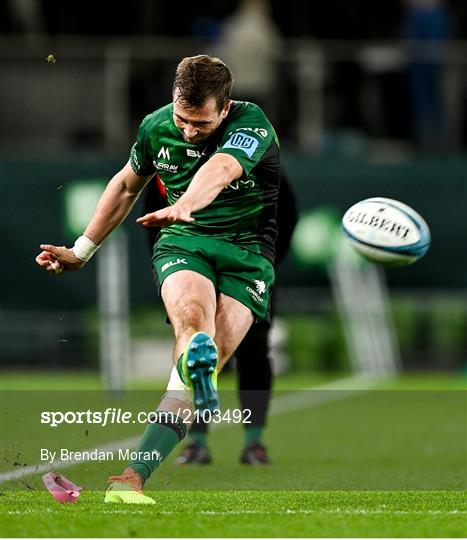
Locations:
247 137
140 154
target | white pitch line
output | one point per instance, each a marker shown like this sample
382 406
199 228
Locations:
325 393
298 399
285 512
62 464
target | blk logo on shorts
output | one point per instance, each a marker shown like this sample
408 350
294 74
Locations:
172 263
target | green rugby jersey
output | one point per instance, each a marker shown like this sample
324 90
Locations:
245 211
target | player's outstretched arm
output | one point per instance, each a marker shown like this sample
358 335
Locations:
56 259
208 182
114 205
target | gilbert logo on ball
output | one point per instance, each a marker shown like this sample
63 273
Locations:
386 231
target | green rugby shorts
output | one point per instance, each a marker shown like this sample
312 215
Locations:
235 271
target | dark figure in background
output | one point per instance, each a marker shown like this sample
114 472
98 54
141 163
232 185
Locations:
253 363
427 25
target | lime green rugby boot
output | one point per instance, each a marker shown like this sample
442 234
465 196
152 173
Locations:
127 489
198 369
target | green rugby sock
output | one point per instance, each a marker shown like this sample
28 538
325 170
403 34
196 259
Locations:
253 434
158 440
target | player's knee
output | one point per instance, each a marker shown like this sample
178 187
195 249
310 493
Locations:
194 318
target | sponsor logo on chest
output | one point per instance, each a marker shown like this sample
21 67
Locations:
164 153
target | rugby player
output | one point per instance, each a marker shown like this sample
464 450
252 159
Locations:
219 162
252 358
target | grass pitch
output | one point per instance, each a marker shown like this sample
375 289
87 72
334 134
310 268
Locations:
237 514
375 463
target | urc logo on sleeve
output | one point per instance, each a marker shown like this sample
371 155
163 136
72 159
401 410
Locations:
244 142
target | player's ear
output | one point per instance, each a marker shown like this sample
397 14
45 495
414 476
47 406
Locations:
226 109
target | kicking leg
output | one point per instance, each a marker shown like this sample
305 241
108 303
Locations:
190 301
164 431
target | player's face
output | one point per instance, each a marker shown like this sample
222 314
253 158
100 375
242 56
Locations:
197 124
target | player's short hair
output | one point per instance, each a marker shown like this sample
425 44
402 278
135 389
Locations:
201 77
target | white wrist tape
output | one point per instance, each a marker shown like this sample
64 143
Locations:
84 248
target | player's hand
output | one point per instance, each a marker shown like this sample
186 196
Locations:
166 216
57 259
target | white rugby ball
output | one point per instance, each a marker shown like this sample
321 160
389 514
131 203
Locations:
386 231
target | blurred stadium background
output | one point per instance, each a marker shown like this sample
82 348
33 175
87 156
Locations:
368 98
